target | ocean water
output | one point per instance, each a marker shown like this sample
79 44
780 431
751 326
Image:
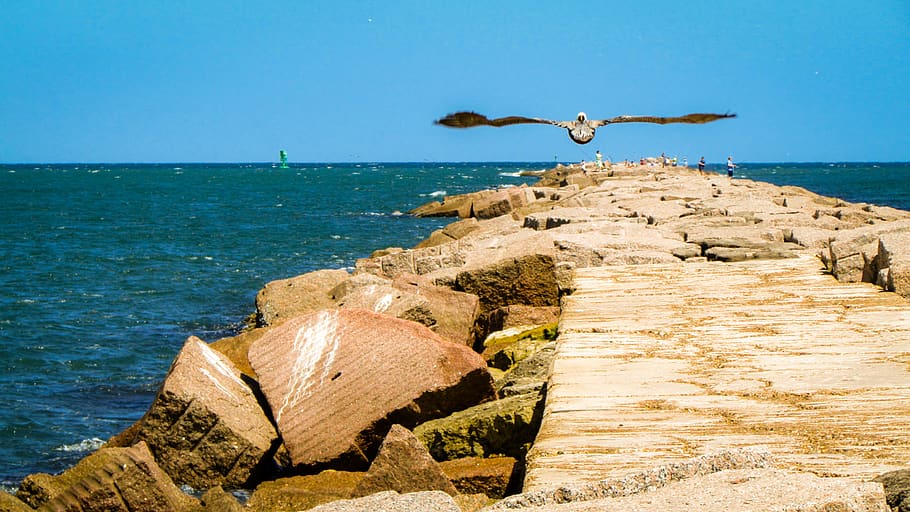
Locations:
886 184
106 269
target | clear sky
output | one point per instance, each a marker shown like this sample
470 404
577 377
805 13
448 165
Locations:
342 81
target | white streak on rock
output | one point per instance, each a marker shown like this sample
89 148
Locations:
313 350
218 384
219 363
383 304
216 362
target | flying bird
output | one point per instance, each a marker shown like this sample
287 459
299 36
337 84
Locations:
581 130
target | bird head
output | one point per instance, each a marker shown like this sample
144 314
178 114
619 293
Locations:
582 117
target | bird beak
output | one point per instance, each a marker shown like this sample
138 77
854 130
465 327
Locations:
582 116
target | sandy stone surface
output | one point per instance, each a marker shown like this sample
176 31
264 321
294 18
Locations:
744 490
391 501
657 363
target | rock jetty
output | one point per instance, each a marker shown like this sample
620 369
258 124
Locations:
420 380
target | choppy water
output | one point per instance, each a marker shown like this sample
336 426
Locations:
106 269
886 184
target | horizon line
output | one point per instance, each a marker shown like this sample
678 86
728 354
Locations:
368 162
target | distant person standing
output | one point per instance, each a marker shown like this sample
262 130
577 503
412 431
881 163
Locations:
701 164
599 159
730 166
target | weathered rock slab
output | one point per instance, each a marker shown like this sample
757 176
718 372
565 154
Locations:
206 426
403 465
337 380
390 301
529 374
893 262
119 480
526 280
501 202
504 349
897 489
303 492
447 312
494 476
772 252
415 261
454 313
451 232
873 254
287 298
459 205
502 427
513 316
217 500
10 503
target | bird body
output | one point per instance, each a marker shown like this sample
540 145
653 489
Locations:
581 130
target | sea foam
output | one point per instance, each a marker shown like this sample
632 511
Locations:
86 445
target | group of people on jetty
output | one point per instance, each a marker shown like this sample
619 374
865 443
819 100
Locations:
600 164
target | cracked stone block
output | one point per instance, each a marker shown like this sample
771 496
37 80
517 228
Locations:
206 426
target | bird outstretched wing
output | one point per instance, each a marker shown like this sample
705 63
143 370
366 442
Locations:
469 119
689 118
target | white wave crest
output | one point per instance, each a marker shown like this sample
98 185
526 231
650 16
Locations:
86 445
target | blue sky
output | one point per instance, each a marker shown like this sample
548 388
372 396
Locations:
227 81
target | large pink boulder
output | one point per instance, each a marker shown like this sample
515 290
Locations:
501 202
454 313
336 381
403 464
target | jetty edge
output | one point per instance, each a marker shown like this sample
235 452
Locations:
420 380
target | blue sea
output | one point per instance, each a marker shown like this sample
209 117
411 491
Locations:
106 269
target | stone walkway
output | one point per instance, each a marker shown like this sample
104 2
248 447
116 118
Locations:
659 363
